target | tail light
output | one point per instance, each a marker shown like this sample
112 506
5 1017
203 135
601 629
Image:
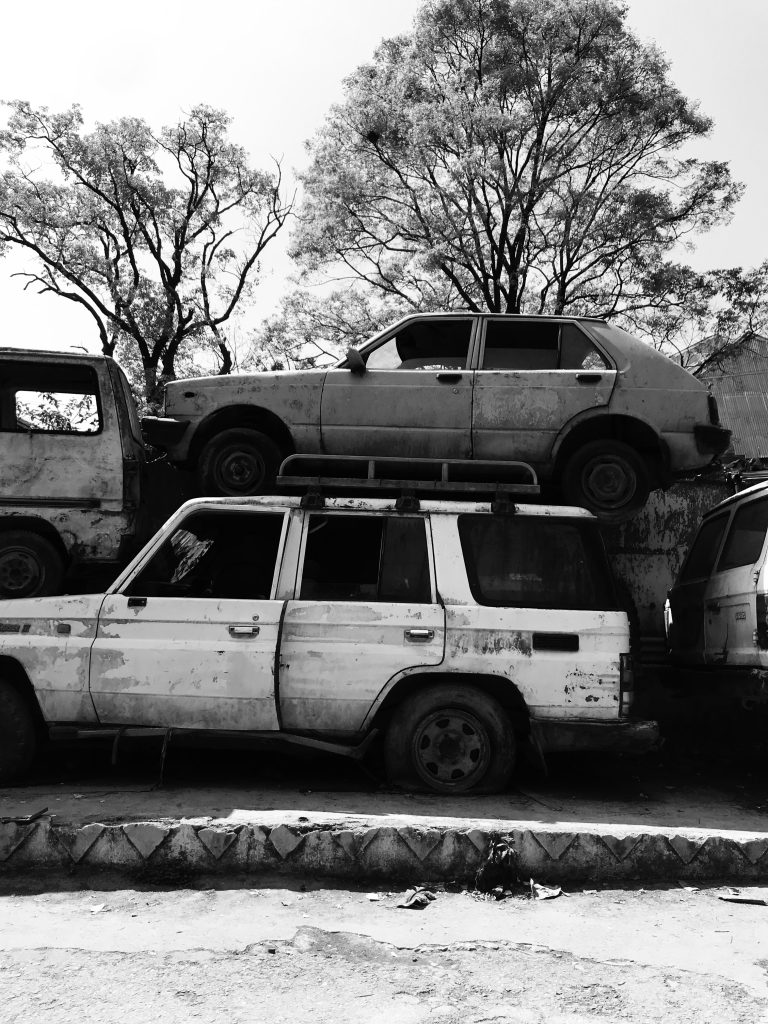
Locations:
714 413
626 685
761 633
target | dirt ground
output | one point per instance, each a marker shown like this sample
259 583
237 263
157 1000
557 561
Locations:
274 954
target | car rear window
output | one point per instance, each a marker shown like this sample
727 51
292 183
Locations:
701 558
746 536
536 562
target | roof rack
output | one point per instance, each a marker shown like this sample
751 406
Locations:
469 479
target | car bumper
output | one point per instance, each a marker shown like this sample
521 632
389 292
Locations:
629 737
162 431
711 439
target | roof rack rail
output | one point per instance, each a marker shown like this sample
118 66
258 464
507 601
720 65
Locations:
387 476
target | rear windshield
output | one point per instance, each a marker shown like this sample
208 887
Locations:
536 562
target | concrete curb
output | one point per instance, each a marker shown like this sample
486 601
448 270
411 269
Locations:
166 850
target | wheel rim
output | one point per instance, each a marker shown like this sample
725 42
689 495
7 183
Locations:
20 573
609 483
240 471
451 749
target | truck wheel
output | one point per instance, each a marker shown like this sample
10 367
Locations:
238 462
609 478
18 734
450 739
30 565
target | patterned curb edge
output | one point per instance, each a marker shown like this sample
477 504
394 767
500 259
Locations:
371 852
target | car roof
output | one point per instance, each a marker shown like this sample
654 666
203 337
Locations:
43 354
353 504
734 499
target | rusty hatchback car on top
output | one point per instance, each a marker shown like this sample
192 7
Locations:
582 401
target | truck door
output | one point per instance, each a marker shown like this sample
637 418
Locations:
730 618
189 639
60 435
413 401
687 597
365 611
533 377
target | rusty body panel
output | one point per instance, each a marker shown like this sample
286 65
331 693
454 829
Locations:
51 638
335 658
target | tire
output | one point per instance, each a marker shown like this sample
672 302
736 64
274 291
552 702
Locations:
450 739
238 462
609 478
18 734
30 566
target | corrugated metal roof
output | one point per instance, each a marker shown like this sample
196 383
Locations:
740 384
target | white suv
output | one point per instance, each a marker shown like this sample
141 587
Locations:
455 632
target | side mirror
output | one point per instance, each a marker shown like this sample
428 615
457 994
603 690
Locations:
355 362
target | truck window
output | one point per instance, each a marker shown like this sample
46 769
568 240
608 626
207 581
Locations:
366 558
701 558
216 555
51 398
745 536
536 562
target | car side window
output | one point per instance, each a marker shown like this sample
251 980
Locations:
745 537
366 558
538 345
517 562
425 345
577 352
49 398
217 555
701 558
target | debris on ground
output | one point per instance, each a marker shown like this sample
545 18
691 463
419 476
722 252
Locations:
500 868
736 896
24 819
416 898
544 892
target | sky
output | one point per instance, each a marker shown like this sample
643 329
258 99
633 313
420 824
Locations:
276 67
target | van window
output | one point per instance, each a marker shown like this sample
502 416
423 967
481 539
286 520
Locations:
366 558
51 398
216 555
745 537
701 558
536 562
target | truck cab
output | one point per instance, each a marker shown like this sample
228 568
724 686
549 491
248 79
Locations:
71 467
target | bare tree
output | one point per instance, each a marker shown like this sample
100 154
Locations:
156 235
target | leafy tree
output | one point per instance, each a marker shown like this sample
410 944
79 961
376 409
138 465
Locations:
510 155
157 235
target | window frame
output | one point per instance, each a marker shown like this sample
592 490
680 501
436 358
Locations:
591 538
483 331
87 370
368 514
391 332
682 578
736 512
145 556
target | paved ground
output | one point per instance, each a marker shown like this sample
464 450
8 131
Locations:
673 789
276 954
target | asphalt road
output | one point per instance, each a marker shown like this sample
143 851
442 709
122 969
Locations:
332 955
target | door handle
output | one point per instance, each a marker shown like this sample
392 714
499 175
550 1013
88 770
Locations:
137 602
589 378
243 630
419 636
448 378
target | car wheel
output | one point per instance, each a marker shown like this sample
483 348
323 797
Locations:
18 734
238 462
607 477
30 565
450 739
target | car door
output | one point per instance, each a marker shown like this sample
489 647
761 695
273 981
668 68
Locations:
414 399
687 597
189 640
533 377
365 611
730 614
